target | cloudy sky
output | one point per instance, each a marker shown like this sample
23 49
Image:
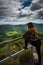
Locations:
21 11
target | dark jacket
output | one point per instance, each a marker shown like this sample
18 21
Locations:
32 37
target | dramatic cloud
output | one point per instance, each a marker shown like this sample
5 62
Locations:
37 7
18 11
9 7
35 10
4 7
25 3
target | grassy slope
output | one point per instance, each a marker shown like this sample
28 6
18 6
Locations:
10 33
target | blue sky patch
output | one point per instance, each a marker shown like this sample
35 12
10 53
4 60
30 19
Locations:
1 17
25 4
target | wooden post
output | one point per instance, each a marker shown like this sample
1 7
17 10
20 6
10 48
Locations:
9 50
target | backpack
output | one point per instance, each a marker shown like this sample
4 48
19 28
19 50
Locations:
35 40
32 39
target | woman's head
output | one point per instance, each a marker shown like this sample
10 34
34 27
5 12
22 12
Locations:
30 25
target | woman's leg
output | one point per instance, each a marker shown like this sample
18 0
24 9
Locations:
26 42
39 54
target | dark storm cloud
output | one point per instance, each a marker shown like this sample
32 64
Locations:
4 9
40 14
10 8
35 6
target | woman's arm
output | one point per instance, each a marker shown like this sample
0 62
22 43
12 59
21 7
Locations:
26 34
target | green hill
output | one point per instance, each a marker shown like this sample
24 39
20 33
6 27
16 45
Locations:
13 31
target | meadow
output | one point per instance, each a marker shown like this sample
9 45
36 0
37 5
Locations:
9 32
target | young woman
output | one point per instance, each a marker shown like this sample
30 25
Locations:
31 36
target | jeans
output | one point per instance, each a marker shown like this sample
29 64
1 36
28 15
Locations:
39 53
37 49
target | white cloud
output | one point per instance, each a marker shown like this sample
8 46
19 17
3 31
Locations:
8 7
32 13
37 8
12 21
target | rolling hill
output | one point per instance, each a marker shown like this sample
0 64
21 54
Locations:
13 31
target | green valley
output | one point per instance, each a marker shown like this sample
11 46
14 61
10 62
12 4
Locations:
9 32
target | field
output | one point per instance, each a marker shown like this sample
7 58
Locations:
9 32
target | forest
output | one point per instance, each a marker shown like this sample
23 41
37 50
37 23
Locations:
9 32
13 31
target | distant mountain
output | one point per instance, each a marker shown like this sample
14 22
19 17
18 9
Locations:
20 29
39 26
14 27
6 28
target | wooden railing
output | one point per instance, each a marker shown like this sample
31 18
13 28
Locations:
9 50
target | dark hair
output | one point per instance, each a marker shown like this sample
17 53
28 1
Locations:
30 25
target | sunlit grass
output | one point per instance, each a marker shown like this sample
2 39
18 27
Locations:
10 33
15 46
